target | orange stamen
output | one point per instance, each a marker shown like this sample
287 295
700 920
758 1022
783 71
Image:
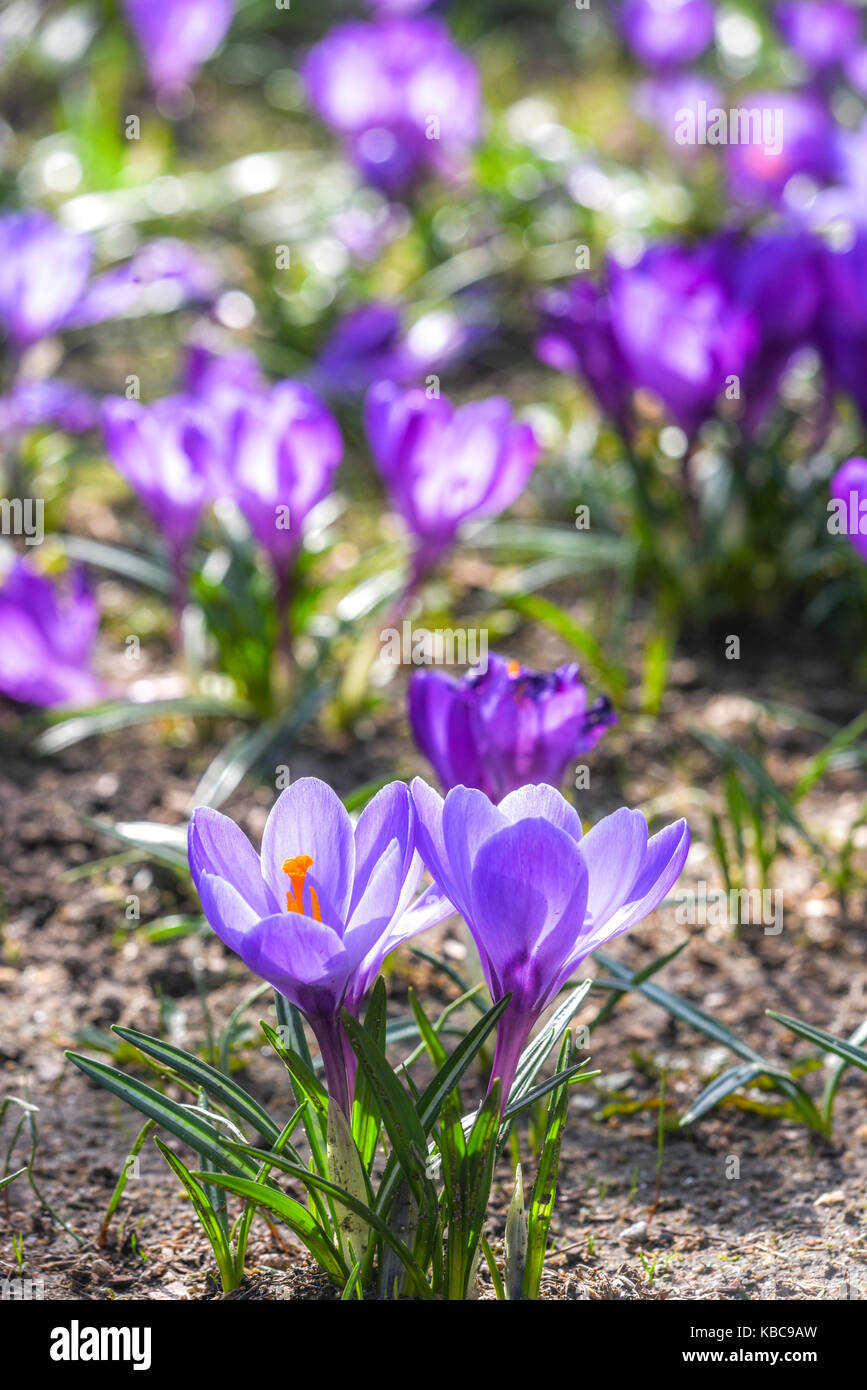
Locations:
297 870
514 669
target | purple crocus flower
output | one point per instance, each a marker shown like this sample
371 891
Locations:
45 282
679 328
158 449
806 143
322 906
275 453
44 273
373 344
505 727
670 324
47 633
849 487
443 464
402 95
177 36
34 403
780 278
577 336
844 318
666 33
823 33
537 894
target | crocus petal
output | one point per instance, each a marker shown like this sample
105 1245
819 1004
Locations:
468 820
216 845
529 892
614 851
228 914
431 844
309 818
665 857
388 816
543 801
304 959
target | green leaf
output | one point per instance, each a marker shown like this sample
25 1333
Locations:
727 751
10 1177
296 1217
127 563
818 765
208 1220
408 1138
109 718
190 1128
275 1201
857 1056
567 1077
220 1087
366 1117
545 1187
742 1074
537 1050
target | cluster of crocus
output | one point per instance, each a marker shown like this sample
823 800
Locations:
402 95
685 322
177 36
443 464
667 33
273 451
47 632
505 727
318 911
669 324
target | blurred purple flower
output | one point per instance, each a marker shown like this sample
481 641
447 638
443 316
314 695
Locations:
849 487
758 173
393 8
274 453
661 100
844 318
34 403
402 95
577 336
669 324
322 907
779 277
47 633
822 32
505 727
211 373
372 344
666 33
537 895
44 273
158 449
442 464
177 36
45 282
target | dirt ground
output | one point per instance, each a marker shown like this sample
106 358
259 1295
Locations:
790 1225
